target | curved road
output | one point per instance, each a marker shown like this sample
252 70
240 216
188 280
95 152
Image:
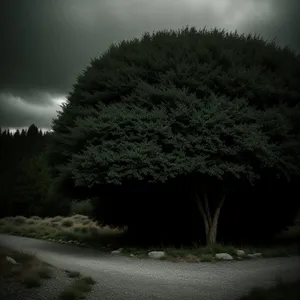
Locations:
135 279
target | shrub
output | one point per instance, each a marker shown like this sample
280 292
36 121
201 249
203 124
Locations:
81 229
68 235
19 220
67 223
56 219
55 224
31 222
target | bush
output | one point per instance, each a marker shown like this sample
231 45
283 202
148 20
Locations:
31 222
82 207
67 222
20 220
56 219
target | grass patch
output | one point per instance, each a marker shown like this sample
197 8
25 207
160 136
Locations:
207 258
77 228
73 274
67 223
44 272
20 220
31 280
77 289
28 270
281 291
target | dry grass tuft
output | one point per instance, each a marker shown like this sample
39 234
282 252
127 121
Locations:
77 289
77 228
28 270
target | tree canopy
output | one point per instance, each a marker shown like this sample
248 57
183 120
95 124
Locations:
212 106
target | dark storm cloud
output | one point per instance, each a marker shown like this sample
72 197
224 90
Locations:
283 23
45 44
15 112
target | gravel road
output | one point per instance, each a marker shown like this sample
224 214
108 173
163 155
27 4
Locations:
127 278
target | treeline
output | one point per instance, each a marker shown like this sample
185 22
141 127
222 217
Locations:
24 177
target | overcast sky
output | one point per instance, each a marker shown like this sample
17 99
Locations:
45 43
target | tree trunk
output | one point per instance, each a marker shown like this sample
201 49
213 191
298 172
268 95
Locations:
210 219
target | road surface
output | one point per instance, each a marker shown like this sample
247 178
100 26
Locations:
129 278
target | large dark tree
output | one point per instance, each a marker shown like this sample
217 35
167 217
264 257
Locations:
208 111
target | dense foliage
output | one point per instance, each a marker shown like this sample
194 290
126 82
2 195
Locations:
207 111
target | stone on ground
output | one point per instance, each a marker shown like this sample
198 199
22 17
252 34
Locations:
224 256
156 254
240 253
11 260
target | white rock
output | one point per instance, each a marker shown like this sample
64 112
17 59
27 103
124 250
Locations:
156 254
240 253
11 260
131 255
224 256
115 252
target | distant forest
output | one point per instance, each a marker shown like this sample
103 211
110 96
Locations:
24 177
